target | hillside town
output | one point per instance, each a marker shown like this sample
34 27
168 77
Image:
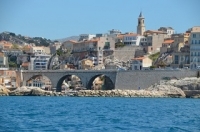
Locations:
152 49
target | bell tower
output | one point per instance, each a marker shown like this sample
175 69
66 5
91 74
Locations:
141 25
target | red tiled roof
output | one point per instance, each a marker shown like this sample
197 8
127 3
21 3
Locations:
168 41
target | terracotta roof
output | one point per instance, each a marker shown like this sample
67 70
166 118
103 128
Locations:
88 41
132 34
138 58
154 31
168 41
25 64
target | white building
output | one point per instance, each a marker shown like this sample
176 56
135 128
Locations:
86 37
168 30
131 39
141 63
39 62
3 61
194 42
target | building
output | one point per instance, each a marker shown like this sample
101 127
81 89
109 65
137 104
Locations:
141 25
39 61
68 45
12 52
141 63
83 37
25 65
23 58
114 32
166 46
6 44
54 48
131 39
3 60
154 40
194 42
95 48
179 41
8 78
180 60
168 30
40 50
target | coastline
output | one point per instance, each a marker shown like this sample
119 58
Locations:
175 88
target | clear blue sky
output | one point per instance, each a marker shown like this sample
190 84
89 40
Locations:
55 19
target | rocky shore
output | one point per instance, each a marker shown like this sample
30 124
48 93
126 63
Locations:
187 87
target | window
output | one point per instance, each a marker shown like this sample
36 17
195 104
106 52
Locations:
194 35
107 45
195 41
199 41
176 59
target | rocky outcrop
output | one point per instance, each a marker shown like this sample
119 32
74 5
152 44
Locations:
129 93
167 90
4 91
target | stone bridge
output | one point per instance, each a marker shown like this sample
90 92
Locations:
57 76
120 79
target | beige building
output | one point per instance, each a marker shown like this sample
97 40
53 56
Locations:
141 63
180 60
6 44
166 46
154 40
40 50
8 78
95 48
194 42
179 41
68 45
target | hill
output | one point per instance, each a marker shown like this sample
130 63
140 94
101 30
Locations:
22 40
76 38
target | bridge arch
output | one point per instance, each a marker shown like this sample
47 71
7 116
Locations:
69 81
40 81
100 82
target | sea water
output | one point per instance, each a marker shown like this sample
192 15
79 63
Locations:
96 114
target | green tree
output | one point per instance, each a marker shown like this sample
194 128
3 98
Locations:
12 64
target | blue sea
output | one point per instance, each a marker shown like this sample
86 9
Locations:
97 114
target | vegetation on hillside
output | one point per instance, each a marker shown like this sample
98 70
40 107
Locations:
155 56
19 39
119 45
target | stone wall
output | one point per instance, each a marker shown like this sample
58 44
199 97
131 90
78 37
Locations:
144 79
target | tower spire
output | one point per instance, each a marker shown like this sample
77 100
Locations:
141 14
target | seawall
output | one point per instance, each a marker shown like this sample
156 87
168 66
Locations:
132 80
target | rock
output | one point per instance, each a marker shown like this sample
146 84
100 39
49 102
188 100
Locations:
4 91
22 91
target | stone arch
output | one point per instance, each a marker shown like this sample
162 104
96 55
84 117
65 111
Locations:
41 81
108 83
60 81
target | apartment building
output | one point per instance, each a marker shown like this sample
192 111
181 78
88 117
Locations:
194 42
39 61
154 40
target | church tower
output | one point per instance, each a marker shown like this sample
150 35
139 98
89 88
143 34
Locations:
141 25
